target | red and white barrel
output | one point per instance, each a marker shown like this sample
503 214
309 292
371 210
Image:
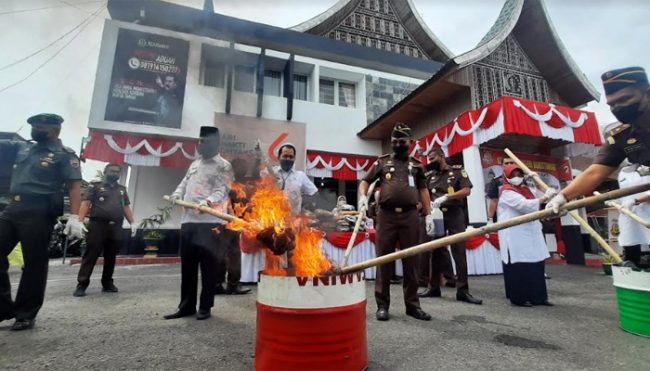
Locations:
311 323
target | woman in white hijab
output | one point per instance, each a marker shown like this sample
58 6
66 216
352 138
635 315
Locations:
523 249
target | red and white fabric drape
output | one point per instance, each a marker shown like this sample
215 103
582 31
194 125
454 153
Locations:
338 165
508 115
141 151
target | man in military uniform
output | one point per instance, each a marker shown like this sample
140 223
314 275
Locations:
403 185
43 169
449 186
628 95
107 204
207 183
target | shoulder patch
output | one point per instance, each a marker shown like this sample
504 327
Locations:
68 149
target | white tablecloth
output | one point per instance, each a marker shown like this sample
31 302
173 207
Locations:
485 259
252 264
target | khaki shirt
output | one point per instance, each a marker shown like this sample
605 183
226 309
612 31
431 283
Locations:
399 179
449 180
625 141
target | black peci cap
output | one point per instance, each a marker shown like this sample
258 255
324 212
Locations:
45 119
207 131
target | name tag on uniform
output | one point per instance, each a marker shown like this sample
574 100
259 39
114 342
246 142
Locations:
411 181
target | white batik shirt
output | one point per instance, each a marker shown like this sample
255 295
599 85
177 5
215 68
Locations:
206 180
295 184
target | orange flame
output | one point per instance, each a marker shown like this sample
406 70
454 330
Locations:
270 207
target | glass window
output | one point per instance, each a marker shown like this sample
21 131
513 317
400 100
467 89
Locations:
326 91
245 79
347 96
300 87
273 83
214 74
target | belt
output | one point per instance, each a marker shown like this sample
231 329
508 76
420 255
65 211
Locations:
100 220
397 209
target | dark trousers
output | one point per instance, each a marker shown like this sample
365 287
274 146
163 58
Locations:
232 263
33 232
632 253
103 237
525 282
200 247
396 227
454 219
424 269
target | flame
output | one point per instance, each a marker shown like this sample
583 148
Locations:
269 207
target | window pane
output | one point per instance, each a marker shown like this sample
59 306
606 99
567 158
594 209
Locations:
272 83
326 91
245 79
300 87
347 95
214 74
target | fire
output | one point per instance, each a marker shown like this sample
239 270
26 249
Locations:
269 210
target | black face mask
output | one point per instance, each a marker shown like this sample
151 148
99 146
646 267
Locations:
112 178
627 114
39 136
208 150
433 166
286 164
400 149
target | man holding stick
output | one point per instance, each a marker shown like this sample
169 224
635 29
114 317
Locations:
628 94
403 185
207 183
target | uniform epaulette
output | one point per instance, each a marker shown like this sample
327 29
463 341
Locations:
68 149
619 129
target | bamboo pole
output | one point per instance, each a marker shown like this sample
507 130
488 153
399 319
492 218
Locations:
460 237
574 214
628 212
205 209
362 211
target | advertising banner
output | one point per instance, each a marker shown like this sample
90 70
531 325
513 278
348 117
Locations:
147 84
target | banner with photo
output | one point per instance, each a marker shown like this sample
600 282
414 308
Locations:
147 84
239 134
553 171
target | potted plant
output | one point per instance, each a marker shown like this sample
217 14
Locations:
608 261
152 235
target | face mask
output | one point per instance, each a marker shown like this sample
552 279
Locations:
516 180
208 151
286 164
433 166
39 136
627 114
112 178
400 149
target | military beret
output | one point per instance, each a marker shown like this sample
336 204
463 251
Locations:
46 119
401 130
208 131
618 79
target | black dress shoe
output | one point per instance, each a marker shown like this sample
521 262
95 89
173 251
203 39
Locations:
79 291
110 288
430 292
526 304
203 314
219 290
237 290
418 313
179 314
382 314
22 324
468 298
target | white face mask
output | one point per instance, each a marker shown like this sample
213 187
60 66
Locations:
516 181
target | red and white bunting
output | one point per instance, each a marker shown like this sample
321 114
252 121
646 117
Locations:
338 165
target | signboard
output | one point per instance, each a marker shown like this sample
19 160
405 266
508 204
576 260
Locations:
239 134
147 84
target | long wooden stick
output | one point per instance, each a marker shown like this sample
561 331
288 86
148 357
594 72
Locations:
460 237
574 214
628 212
362 211
205 209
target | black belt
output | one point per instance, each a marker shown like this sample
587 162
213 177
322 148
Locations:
397 209
102 220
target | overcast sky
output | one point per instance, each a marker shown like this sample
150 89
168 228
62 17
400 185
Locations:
599 34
